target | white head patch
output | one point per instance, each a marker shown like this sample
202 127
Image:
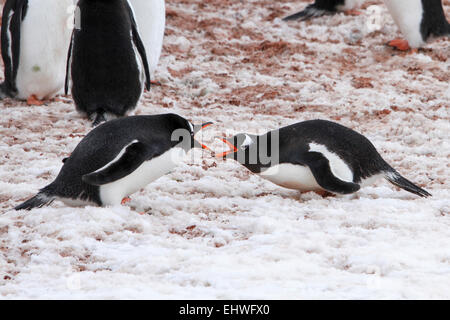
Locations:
248 141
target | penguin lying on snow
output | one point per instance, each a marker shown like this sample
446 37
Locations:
35 37
107 60
151 20
417 20
322 7
315 155
119 158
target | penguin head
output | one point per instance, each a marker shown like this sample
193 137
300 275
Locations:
241 148
183 133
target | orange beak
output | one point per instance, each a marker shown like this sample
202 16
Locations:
199 128
233 149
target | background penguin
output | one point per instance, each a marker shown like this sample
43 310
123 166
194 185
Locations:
35 37
322 7
316 155
151 20
107 61
417 20
119 158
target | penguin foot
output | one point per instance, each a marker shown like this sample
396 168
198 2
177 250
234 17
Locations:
155 83
399 44
353 12
125 200
34 101
324 193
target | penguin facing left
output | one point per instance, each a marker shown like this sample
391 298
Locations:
315 155
107 63
35 38
119 158
418 20
323 7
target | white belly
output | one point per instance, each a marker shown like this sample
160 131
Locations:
301 178
113 193
407 14
45 40
151 20
292 177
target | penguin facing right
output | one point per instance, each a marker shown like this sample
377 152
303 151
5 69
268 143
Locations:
107 62
316 155
417 20
118 158
323 7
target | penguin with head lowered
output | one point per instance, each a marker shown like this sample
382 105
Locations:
323 7
35 37
315 155
107 63
119 158
417 20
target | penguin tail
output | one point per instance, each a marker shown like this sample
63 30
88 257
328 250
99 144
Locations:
309 12
38 201
99 117
396 179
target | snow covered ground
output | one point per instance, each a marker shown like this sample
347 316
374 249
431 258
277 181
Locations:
216 231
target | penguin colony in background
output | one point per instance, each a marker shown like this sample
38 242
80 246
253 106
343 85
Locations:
418 20
107 60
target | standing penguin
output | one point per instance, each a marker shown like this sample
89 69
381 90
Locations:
322 7
315 155
119 158
151 20
107 61
417 20
35 37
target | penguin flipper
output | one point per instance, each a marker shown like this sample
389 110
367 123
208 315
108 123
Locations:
12 16
321 170
68 65
140 47
127 161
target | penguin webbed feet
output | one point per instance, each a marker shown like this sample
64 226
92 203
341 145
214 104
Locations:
34 101
353 12
399 44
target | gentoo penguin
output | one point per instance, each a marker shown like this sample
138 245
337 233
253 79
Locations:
322 7
417 20
119 158
107 61
315 155
151 20
35 37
